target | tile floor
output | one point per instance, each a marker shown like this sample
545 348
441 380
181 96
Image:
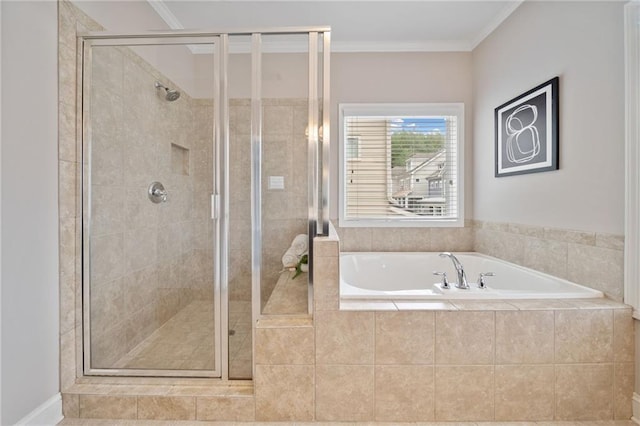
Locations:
240 340
183 342
78 422
186 341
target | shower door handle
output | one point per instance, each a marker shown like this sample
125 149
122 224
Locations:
215 206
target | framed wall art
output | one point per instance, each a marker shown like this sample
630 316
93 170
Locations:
527 132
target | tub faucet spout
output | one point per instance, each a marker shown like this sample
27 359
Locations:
462 277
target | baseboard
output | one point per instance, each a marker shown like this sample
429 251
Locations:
635 402
48 413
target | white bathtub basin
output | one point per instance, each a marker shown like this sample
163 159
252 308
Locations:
402 276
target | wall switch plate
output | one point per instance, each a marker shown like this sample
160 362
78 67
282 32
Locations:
276 182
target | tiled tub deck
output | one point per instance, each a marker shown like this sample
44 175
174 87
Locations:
454 361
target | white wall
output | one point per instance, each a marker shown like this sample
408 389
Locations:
582 42
29 207
400 77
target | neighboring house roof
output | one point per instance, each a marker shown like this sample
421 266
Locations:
433 158
427 159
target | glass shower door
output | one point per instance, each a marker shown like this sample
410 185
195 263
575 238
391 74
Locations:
150 294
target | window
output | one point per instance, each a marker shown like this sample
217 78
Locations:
400 164
352 149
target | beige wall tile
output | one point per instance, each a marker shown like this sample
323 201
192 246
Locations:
140 249
464 393
284 392
326 283
528 230
495 226
344 337
67 131
108 63
452 239
326 247
503 245
224 408
166 408
68 252
623 336
598 268
107 255
584 336
611 241
623 382
67 359
524 392
546 256
67 196
67 73
570 236
404 337
355 239
67 274
584 392
107 161
401 239
344 393
524 337
70 405
287 345
108 407
464 338
404 393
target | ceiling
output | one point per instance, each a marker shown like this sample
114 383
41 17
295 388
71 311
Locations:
356 26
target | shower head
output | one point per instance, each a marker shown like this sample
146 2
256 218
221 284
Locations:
170 94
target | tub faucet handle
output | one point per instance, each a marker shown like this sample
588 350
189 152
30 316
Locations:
481 283
445 282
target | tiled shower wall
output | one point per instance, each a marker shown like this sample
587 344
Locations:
592 259
284 211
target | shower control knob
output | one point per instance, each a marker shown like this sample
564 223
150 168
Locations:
157 193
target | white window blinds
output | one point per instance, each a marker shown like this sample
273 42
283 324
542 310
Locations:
400 164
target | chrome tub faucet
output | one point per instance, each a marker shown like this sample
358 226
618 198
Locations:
462 277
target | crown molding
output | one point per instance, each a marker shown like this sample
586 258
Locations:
348 46
166 14
404 46
495 23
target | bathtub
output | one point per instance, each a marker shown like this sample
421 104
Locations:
402 276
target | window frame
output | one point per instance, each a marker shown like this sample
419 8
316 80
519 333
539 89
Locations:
400 109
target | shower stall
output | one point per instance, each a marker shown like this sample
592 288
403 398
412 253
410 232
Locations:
204 155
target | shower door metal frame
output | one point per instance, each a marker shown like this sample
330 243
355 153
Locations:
318 161
85 44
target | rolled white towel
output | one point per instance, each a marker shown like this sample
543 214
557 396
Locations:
300 244
289 258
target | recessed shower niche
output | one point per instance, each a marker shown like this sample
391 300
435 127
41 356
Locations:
179 160
182 239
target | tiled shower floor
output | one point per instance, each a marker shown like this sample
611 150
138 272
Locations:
186 341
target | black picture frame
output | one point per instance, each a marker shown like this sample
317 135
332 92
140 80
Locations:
527 133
